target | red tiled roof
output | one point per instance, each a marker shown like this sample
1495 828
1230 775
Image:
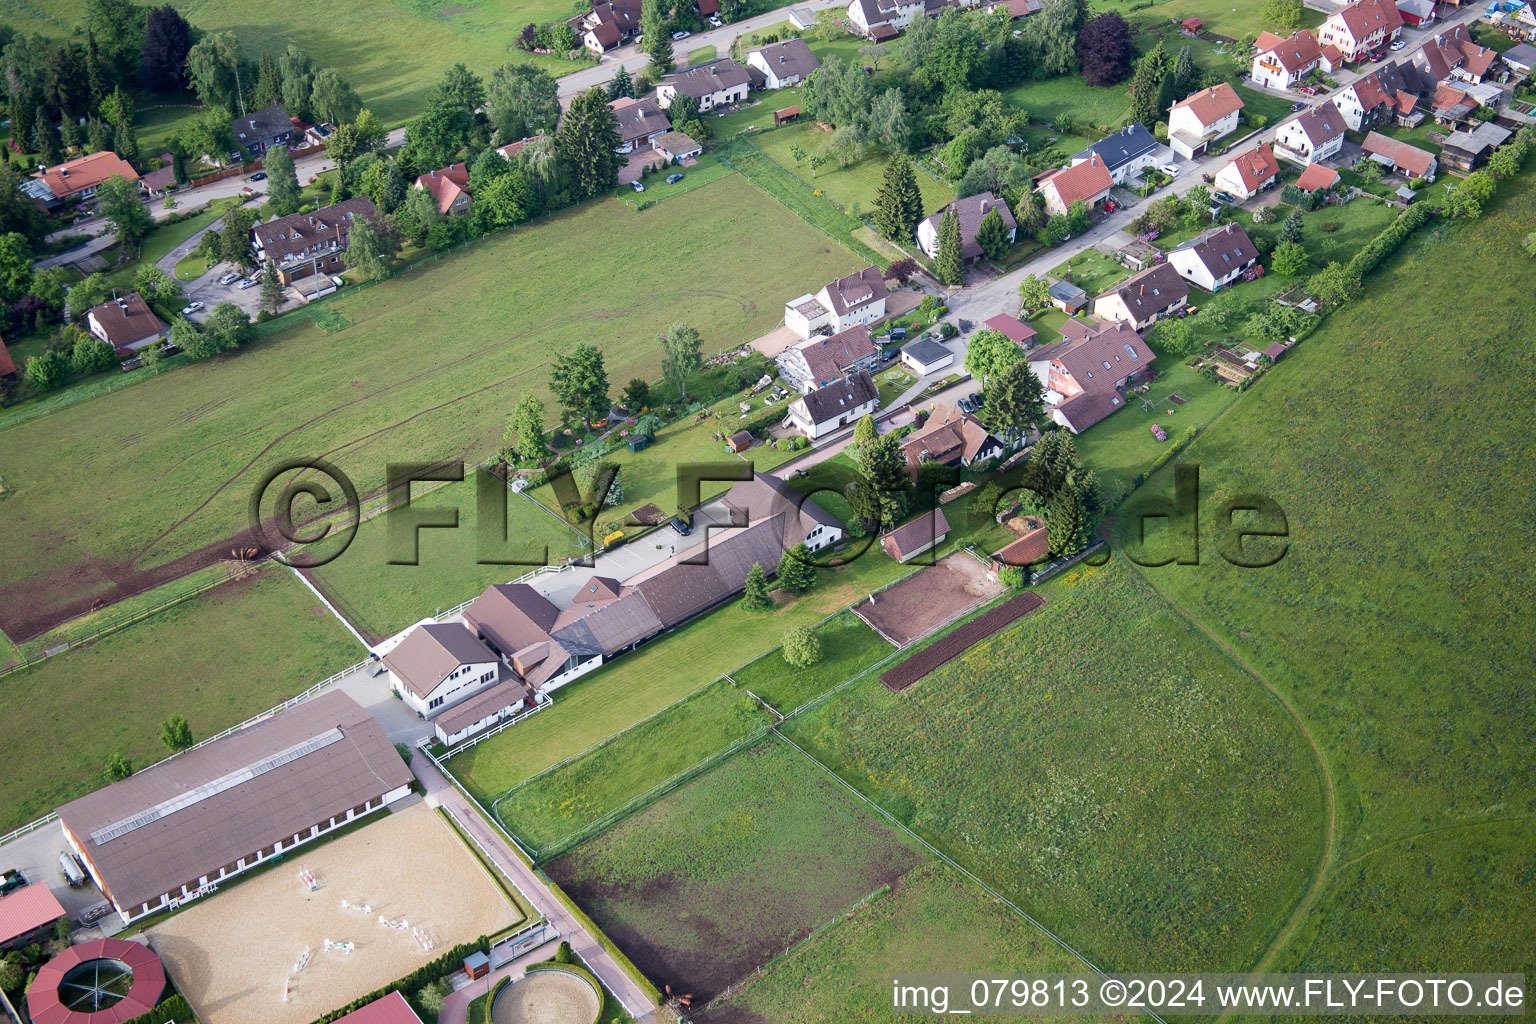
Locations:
7 365
1029 548
1317 176
85 172
1014 330
27 909
1213 104
1193 24
446 185
389 1009
1080 181
1333 55
1256 166
1403 156
1364 17
1294 52
44 1005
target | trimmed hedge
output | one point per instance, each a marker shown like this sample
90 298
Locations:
173 1008
449 963
491 999
1375 252
577 970
602 939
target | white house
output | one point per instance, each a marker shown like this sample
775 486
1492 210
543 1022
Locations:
715 84
1083 374
926 356
1143 299
438 665
1315 134
829 409
1201 118
855 299
969 213
1088 181
1215 258
127 324
488 708
890 15
1126 153
1362 26
783 64
1248 174
1279 62
817 362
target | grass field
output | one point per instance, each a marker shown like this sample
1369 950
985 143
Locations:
1390 623
934 921
847 647
393 69
1113 712
856 185
710 882
381 598
421 374
1092 271
549 808
216 659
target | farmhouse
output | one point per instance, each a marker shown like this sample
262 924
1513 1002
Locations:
1082 375
302 244
1359 27
1250 173
1315 134
28 915
1468 150
1215 258
1143 299
1453 55
1281 62
1409 161
848 301
127 324
950 437
921 533
969 211
817 362
714 84
641 123
676 147
1088 181
783 64
173 832
261 130
437 665
75 180
450 187
831 408
1126 153
1016 331
1201 118
926 356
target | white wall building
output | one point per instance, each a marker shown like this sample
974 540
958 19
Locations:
1203 117
1215 258
829 409
844 303
438 665
1312 136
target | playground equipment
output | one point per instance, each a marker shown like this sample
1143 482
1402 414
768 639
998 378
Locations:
303 961
345 947
285 989
308 880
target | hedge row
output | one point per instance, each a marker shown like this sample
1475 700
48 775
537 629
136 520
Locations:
174 1008
1375 252
597 933
491 999
420 978
1165 455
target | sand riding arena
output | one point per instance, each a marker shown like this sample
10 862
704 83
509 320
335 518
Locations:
385 899
929 598
548 997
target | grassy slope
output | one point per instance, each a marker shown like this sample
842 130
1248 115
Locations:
1103 765
1392 622
428 370
856 185
848 646
216 659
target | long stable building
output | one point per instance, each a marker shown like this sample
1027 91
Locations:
172 832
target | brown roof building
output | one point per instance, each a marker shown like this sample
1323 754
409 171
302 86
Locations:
641 122
1089 181
1029 548
1398 156
299 242
951 437
434 653
1083 373
1142 299
126 324
817 362
917 535
81 177
173 831
969 211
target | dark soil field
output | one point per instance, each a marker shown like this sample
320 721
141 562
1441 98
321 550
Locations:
928 599
957 643
707 885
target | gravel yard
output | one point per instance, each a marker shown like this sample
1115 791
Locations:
231 953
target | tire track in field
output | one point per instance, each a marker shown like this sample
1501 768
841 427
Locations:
394 386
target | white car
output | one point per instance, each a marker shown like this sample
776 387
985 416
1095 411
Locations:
249 282
1397 45
190 308
1169 169
714 19
229 279
680 35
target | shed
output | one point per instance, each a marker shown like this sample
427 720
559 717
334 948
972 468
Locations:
926 356
477 965
1012 328
785 116
922 533
739 441
1192 26
28 915
1068 297
1406 194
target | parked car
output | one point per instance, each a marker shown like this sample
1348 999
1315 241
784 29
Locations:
680 35
1297 106
229 278
636 186
682 528
259 176
965 404
1306 90
249 282
714 19
1169 169
1397 44
249 193
1223 197
673 179
190 308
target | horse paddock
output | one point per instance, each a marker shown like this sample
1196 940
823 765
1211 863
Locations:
928 598
270 950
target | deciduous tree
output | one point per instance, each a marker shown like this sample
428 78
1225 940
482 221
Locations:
119 203
1105 48
580 381
1289 259
1283 15
801 646
522 100
369 249
213 69
989 353
175 733
681 356
1034 293
15 266
332 99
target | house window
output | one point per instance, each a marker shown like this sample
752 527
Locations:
1132 351
1090 374
1107 366
435 702
487 676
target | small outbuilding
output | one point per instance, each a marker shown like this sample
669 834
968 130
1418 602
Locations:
917 535
739 441
1068 297
926 356
28 915
1012 328
677 146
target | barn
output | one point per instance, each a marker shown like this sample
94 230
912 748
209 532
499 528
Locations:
173 832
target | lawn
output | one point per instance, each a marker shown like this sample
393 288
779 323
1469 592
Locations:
381 598
708 884
1233 19
391 51
848 647
1092 271
854 186
548 811
701 55
934 921
161 241
420 374
892 384
271 640
1154 807
1391 624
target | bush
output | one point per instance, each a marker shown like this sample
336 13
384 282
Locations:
1328 226
802 647
948 330
490 1000
1012 577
